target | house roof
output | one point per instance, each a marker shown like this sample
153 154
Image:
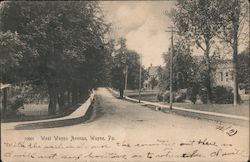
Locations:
152 70
224 64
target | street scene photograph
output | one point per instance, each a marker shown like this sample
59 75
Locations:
124 81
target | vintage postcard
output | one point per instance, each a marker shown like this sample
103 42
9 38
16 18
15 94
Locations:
124 81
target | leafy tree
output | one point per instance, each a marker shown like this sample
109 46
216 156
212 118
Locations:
119 65
133 60
153 82
68 39
163 81
243 70
184 68
124 57
221 95
233 16
105 75
13 52
197 20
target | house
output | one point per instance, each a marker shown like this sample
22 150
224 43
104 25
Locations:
223 74
152 82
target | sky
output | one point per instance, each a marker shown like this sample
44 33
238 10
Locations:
143 24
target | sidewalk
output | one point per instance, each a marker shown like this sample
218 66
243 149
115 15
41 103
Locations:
163 107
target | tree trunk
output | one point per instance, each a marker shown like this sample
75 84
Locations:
52 87
209 87
74 95
68 97
209 71
4 103
52 99
235 77
83 93
61 101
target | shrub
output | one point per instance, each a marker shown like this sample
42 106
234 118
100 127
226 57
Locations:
203 96
13 104
220 95
181 95
166 96
192 93
31 93
159 96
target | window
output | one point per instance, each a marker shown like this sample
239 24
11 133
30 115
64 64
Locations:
221 76
232 75
226 73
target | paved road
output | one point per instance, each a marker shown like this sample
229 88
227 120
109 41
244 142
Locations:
119 130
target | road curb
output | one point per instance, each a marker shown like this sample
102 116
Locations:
161 106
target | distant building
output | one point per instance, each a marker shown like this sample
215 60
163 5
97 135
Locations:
152 82
223 75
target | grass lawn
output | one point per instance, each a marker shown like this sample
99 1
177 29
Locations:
149 97
241 110
35 109
37 112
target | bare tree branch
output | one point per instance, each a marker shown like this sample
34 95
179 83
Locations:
199 45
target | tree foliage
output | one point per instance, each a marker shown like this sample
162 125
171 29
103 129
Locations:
13 55
198 21
124 57
153 82
184 68
68 42
243 69
233 15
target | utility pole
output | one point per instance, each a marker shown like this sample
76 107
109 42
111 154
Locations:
140 79
171 67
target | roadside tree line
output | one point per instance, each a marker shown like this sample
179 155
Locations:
62 44
125 61
209 26
62 50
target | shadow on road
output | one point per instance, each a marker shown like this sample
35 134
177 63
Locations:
97 110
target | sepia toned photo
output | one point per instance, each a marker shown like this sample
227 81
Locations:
124 81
